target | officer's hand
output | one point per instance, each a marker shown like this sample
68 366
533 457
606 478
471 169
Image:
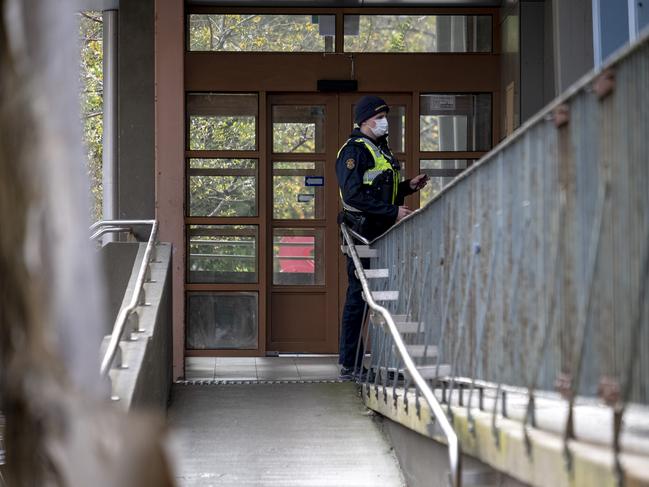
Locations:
418 182
404 211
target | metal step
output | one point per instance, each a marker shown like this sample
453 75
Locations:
363 251
430 371
417 351
385 295
427 371
375 273
409 326
400 318
377 318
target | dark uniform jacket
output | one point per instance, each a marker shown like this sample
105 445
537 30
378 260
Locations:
378 212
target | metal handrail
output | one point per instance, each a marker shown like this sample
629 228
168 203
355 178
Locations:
122 317
108 230
427 393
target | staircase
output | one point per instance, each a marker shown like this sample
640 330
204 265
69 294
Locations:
519 295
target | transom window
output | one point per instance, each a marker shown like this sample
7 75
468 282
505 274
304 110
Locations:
261 33
417 33
422 33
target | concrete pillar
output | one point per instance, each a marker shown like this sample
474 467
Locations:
573 41
136 180
169 153
536 65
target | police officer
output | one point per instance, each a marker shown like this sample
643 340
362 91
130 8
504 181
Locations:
373 200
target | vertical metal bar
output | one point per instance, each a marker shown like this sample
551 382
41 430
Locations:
358 368
597 34
582 326
110 129
633 19
462 323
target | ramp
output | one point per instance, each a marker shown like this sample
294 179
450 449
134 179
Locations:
317 434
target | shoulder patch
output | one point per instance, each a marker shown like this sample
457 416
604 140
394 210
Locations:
350 163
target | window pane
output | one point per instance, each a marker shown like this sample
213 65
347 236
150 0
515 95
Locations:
222 320
298 129
222 253
222 187
397 128
440 172
417 33
298 256
258 33
297 190
455 122
222 121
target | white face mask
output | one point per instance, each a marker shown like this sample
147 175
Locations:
381 127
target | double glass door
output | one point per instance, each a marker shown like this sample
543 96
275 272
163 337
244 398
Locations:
308 273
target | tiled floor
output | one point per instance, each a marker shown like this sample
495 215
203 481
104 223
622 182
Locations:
294 367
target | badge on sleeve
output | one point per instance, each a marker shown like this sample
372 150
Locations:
350 163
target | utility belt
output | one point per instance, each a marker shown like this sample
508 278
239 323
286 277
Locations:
355 220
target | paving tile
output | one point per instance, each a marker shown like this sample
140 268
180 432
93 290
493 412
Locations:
199 368
318 372
278 372
235 360
310 361
239 372
274 361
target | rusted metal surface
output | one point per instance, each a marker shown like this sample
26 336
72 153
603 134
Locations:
604 84
556 296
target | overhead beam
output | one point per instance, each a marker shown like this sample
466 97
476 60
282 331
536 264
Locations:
348 3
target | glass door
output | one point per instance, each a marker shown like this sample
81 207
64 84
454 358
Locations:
303 139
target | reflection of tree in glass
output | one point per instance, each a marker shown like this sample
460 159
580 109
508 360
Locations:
429 132
222 252
218 32
293 137
287 187
222 133
92 91
394 33
227 194
433 187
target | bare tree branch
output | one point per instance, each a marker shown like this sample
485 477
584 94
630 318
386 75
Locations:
91 17
93 114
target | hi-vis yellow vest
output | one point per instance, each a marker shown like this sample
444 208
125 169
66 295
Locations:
381 164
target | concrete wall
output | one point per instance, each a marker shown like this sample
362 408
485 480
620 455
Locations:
117 260
155 377
146 381
424 462
136 146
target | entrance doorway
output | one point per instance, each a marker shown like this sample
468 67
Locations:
308 278
262 270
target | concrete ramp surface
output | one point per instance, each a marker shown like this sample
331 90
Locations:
292 434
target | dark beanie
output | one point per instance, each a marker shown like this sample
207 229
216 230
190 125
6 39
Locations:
367 107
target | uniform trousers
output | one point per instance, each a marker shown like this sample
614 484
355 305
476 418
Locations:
352 319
